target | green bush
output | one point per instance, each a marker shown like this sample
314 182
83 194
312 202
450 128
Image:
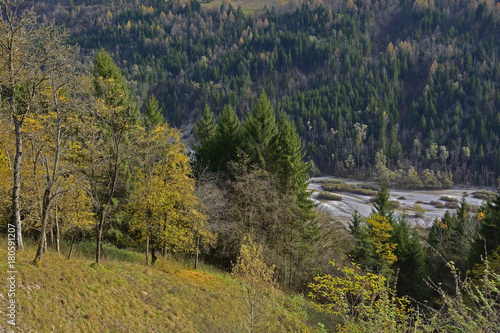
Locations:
419 211
485 195
448 199
451 205
439 205
366 186
343 187
329 196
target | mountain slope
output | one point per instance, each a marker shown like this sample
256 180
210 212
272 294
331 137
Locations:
74 296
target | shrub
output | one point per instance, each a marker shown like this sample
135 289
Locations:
439 205
366 186
329 196
419 211
485 195
343 187
363 302
451 205
448 199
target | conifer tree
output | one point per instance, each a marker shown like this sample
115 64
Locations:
153 116
260 132
292 181
115 113
383 205
488 238
228 138
410 262
206 133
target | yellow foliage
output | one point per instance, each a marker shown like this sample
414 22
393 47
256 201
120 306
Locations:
362 301
380 233
163 201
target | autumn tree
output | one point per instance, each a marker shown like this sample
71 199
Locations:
59 118
258 277
163 201
114 117
26 51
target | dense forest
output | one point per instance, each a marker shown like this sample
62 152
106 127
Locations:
90 158
388 90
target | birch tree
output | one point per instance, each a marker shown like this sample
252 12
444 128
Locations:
25 51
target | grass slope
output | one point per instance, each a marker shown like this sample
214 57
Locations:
121 296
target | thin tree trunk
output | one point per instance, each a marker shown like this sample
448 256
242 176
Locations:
147 249
16 216
19 147
43 233
71 248
58 249
197 252
51 234
100 228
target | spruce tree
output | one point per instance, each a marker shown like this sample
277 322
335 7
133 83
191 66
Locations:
260 132
383 204
364 249
488 238
206 133
292 180
410 261
228 138
153 116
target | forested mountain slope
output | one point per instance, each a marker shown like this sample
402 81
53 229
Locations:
406 92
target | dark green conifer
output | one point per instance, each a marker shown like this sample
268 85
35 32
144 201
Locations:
153 116
206 133
228 138
260 132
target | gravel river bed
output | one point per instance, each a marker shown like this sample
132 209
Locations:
343 210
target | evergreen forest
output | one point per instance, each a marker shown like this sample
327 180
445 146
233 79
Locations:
387 90
156 159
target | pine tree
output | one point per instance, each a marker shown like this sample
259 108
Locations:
489 231
228 138
153 116
292 181
364 250
410 262
260 132
116 114
205 132
383 205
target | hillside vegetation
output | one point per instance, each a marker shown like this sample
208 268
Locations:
398 91
62 295
86 163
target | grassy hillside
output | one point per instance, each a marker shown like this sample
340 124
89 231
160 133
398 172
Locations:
121 296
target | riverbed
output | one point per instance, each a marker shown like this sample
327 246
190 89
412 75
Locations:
343 210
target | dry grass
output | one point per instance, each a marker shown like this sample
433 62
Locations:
120 296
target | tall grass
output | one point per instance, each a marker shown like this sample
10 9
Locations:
124 295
